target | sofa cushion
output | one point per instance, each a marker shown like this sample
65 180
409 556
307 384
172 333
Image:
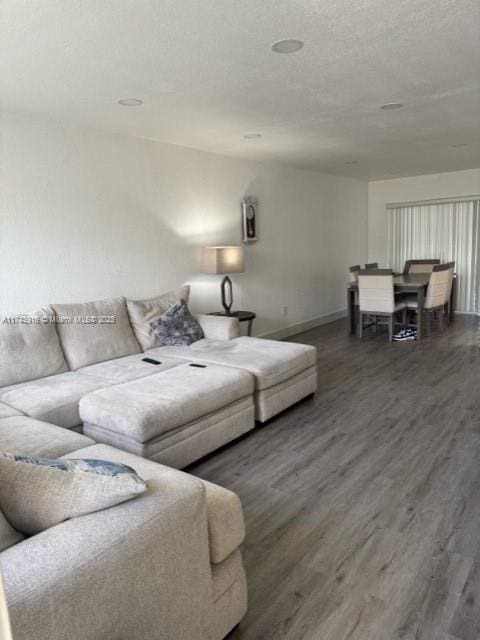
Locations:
180 447
128 368
219 327
144 409
30 348
142 312
38 493
54 399
269 361
95 331
177 326
7 412
30 437
8 535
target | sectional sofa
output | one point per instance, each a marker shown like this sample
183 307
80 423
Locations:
93 381
82 367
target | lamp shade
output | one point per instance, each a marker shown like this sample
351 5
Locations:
223 260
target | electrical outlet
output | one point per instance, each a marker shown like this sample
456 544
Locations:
285 311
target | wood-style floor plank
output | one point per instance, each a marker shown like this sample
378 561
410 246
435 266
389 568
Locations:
363 505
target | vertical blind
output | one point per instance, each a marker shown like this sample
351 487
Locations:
449 231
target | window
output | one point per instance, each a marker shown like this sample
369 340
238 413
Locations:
446 230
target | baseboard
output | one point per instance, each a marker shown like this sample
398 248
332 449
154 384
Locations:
293 329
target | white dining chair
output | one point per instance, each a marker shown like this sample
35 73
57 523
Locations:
377 299
420 266
437 294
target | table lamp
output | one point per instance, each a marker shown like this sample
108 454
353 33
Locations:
223 260
5 631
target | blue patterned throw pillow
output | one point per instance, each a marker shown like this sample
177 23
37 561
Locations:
102 467
38 493
177 327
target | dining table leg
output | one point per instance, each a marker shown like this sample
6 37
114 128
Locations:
420 306
351 311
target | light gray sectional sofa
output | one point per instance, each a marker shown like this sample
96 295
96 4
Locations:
81 366
164 566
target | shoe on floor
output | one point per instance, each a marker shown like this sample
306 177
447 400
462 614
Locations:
405 335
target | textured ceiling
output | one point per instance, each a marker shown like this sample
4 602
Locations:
207 75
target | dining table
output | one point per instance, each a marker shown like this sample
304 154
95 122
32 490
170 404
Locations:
413 283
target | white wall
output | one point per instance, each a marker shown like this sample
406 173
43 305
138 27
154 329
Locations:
429 187
86 215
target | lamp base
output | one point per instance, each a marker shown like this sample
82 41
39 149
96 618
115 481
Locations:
227 294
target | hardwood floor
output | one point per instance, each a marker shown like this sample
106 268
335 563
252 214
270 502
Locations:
363 506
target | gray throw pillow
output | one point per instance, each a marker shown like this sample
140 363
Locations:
177 327
38 493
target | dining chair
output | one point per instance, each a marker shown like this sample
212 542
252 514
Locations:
377 299
435 300
353 278
371 265
420 266
353 273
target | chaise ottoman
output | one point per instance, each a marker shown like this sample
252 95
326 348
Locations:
175 416
284 372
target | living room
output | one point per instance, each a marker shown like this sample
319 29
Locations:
186 188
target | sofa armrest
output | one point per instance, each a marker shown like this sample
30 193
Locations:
140 569
226 526
219 327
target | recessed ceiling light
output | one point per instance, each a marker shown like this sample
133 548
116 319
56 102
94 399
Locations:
287 46
391 105
252 136
130 102
351 162
458 145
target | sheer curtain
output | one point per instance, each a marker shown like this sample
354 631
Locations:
449 231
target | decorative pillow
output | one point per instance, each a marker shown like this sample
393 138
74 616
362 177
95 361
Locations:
29 348
38 493
8 535
177 327
142 312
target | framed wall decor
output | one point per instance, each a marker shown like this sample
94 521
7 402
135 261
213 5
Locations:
249 219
